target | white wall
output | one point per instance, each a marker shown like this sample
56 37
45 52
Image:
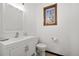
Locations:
29 23
1 20
74 29
57 31
66 32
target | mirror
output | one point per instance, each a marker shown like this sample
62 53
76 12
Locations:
12 21
12 18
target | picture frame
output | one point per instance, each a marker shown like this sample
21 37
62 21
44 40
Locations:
50 15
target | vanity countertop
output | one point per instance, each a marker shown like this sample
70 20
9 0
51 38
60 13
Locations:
14 40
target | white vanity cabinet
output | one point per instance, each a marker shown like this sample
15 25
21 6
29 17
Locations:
24 46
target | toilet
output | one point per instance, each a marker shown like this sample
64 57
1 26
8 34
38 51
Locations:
41 48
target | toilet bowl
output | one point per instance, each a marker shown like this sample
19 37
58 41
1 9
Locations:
41 48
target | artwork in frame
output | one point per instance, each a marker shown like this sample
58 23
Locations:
50 15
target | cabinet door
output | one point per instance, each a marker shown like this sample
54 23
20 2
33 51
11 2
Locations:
24 48
19 51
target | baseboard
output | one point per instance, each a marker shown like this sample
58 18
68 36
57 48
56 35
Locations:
54 53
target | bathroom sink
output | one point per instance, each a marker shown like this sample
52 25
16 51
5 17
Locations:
13 40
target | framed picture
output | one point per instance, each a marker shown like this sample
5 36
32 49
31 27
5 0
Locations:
50 15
